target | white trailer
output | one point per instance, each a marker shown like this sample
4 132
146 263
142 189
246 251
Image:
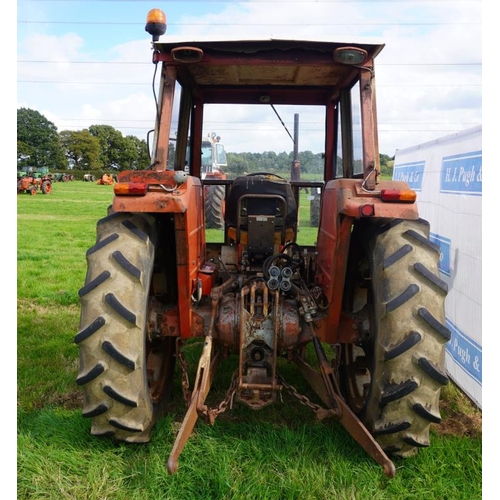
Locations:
447 176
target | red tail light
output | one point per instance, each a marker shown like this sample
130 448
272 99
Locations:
130 188
398 195
367 210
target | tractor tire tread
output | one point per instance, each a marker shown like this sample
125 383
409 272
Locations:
409 346
214 206
94 283
111 337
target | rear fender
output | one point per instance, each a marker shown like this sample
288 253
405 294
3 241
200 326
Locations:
164 194
185 202
342 203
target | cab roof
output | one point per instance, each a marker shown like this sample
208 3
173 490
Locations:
298 66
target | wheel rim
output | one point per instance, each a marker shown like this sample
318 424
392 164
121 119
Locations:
355 358
356 378
160 356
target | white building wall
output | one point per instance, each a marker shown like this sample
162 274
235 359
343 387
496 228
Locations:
447 175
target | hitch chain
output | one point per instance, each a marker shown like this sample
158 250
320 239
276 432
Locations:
321 413
185 377
210 414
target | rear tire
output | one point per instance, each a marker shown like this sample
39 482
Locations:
214 207
394 385
315 207
126 376
46 187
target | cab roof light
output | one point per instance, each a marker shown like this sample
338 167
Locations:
130 189
350 55
187 54
398 195
156 23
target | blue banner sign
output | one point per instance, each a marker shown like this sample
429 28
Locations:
462 174
465 352
444 245
412 173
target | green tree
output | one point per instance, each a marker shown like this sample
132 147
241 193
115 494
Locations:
24 153
236 165
386 165
310 162
115 152
38 142
139 158
281 163
82 149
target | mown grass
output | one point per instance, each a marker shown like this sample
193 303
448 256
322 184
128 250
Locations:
280 452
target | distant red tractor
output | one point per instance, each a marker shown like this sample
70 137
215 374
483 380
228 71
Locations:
31 185
106 180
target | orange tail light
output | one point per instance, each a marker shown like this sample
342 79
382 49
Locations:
130 189
398 195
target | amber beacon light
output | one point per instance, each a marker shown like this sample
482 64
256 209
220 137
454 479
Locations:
156 23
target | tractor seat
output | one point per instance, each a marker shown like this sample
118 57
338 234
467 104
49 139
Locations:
261 213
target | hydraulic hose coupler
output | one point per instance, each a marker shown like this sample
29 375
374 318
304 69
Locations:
280 278
274 271
286 274
285 284
273 283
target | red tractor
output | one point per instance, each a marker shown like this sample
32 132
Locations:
31 185
365 295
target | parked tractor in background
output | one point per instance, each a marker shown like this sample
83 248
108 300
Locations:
23 171
61 177
105 180
213 160
44 172
31 184
365 298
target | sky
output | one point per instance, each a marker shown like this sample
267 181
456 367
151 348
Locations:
82 63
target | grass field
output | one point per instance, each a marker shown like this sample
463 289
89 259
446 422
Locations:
280 452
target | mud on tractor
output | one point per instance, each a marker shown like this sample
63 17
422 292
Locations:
366 299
